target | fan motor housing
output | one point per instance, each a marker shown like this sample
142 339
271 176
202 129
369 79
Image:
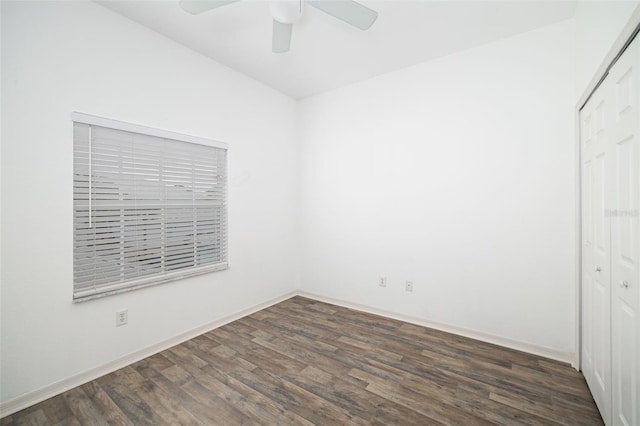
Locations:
286 11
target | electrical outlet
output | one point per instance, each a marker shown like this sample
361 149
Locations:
122 317
409 286
382 281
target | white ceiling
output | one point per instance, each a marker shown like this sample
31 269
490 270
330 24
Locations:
327 53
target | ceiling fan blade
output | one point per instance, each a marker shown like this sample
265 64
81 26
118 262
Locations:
281 37
348 11
198 6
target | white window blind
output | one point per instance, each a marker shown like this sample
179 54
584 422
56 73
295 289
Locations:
149 206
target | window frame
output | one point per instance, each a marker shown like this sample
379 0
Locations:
163 277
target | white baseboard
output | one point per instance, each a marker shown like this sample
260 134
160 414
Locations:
26 400
23 401
567 357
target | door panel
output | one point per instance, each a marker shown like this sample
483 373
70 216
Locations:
625 202
586 116
600 221
587 281
625 366
601 351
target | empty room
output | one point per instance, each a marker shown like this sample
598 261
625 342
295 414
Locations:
327 212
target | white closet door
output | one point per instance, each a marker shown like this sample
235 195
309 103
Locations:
596 266
586 116
625 239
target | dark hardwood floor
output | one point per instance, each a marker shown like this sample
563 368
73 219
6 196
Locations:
306 362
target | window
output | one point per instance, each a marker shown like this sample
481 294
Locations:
149 206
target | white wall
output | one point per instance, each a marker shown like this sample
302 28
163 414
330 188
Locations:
59 57
598 24
456 174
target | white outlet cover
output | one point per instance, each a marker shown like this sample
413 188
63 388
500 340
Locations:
409 286
122 317
382 281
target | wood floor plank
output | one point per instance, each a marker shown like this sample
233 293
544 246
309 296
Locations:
190 410
33 418
304 362
84 410
255 397
112 413
351 397
136 410
296 399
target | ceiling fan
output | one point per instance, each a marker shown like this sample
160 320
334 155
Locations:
287 12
